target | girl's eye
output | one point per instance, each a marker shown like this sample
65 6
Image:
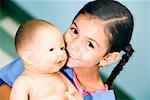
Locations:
62 48
74 30
90 45
51 49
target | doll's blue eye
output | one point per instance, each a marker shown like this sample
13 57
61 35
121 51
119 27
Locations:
51 49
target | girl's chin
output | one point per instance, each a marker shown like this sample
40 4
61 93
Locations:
71 64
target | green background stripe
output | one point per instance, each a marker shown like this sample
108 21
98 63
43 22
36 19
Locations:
7 43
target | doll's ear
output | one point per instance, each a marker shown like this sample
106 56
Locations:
26 56
110 58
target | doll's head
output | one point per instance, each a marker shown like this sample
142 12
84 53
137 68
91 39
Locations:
41 46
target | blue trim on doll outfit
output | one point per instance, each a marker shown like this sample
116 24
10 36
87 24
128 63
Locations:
11 71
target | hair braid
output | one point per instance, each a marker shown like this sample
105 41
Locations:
128 52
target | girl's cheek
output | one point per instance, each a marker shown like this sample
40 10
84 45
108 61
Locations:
87 56
90 58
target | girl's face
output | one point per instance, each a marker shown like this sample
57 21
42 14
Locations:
86 42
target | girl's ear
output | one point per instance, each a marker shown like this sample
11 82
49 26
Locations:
26 56
110 58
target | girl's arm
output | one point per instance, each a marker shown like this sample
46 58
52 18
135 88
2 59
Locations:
4 91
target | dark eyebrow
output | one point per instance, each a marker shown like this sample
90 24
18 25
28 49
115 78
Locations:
75 24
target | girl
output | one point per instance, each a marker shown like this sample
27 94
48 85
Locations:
99 31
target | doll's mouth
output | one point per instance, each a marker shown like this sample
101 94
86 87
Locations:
60 63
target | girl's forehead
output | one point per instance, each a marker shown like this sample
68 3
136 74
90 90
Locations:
91 26
89 19
90 23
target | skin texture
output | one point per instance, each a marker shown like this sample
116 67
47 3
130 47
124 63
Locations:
43 57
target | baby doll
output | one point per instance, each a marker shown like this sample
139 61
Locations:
41 47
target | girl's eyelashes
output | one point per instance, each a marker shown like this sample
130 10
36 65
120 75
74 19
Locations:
90 44
74 31
51 49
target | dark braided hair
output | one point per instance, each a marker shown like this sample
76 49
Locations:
119 26
128 52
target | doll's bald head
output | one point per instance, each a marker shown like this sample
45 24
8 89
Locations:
27 31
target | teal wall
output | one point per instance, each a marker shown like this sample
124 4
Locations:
135 78
138 71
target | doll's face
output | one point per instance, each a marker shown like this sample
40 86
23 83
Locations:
48 53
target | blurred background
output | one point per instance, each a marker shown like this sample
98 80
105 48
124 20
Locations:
133 83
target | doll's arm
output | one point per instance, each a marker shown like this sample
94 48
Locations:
20 89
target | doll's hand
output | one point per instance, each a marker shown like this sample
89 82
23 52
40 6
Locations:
73 96
70 96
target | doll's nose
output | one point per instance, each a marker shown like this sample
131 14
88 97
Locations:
60 53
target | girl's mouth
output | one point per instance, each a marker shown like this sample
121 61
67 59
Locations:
70 55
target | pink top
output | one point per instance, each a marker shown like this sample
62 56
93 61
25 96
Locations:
81 90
